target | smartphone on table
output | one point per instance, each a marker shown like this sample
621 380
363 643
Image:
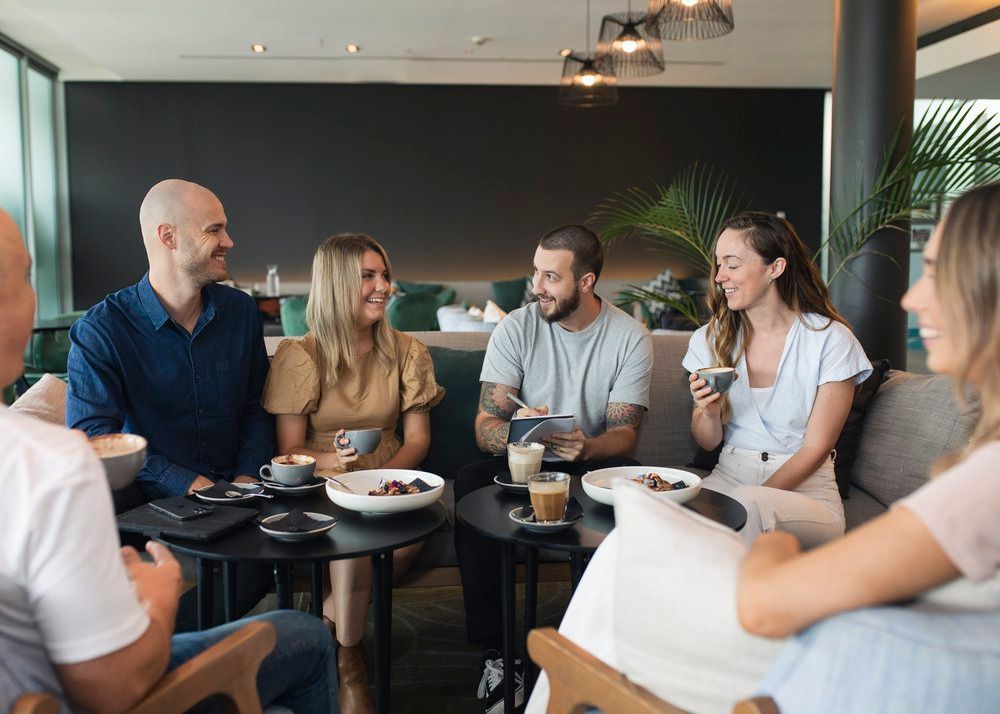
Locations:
181 508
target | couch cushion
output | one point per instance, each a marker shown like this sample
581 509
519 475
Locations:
408 288
665 433
912 421
860 507
45 400
509 294
453 436
850 435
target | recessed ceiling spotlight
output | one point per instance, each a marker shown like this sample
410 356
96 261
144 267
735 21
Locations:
352 48
565 52
479 40
257 48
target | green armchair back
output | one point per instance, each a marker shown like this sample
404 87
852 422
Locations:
293 316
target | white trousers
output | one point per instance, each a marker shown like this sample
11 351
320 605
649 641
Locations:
813 512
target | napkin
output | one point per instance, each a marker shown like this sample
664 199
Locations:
219 488
295 522
422 485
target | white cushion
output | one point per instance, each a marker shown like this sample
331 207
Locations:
45 400
676 628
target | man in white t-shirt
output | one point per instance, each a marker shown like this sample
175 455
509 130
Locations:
571 352
78 618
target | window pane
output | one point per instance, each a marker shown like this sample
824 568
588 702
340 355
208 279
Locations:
41 138
11 155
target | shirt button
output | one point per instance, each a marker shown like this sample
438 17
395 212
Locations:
200 410
204 444
197 376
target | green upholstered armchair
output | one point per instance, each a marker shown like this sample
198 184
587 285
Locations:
416 312
293 316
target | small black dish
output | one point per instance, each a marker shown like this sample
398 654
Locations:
524 516
504 481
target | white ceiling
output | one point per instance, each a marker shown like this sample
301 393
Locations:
777 43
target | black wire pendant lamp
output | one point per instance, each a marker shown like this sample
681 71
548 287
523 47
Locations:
587 81
627 45
690 20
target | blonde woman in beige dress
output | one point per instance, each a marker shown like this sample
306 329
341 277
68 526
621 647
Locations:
352 371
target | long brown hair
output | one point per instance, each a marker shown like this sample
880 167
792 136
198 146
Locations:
800 286
334 296
967 281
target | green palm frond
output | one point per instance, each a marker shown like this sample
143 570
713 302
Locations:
681 219
683 303
954 148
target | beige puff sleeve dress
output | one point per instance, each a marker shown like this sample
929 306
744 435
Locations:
364 396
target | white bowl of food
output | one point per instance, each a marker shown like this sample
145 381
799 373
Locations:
672 484
122 456
385 490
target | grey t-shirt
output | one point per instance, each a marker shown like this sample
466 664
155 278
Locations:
611 360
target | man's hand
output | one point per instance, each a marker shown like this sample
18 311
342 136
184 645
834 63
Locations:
533 411
157 584
199 483
568 446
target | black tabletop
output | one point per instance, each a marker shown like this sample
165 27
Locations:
355 535
487 511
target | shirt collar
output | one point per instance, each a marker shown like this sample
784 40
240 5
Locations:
158 315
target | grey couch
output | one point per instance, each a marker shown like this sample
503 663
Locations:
910 422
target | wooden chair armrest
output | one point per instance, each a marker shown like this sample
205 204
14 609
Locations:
227 668
578 680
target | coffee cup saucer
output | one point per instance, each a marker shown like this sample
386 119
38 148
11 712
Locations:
506 482
313 484
524 516
211 495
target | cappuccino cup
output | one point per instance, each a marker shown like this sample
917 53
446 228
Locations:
523 459
289 469
364 441
720 379
549 494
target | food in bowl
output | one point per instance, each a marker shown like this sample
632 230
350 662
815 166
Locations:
656 483
395 487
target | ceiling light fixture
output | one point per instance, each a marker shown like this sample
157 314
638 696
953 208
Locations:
257 48
587 81
565 51
352 49
627 45
689 20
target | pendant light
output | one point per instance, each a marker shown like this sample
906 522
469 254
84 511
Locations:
627 45
586 80
690 20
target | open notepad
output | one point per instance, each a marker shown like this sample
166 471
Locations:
536 428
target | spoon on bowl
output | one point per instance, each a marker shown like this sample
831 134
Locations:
343 486
243 494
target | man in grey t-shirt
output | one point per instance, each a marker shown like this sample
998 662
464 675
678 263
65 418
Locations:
570 352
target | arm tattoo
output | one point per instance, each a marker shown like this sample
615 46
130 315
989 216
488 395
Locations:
494 435
493 400
622 414
494 403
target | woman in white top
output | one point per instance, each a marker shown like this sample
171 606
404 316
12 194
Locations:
797 364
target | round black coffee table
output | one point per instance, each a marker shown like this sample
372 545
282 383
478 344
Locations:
487 512
355 535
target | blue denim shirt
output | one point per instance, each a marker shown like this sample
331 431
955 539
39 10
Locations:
195 397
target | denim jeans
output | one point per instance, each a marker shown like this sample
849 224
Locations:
915 658
300 674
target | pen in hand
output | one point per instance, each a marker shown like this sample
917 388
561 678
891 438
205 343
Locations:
517 401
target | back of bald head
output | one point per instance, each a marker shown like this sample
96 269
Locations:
167 203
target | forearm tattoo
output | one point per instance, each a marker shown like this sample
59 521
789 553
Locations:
493 402
622 414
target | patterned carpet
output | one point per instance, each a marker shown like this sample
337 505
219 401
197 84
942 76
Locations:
434 669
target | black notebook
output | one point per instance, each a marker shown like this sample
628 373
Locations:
153 524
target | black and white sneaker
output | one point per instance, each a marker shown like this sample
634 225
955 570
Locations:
491 685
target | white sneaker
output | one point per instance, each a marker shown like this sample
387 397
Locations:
491 684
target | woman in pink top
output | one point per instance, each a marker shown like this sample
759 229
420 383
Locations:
943 541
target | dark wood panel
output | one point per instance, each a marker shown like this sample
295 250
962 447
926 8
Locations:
458 182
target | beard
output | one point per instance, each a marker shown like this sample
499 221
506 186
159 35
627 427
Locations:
561 309
200 270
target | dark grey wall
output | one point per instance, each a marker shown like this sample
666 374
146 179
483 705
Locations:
458 182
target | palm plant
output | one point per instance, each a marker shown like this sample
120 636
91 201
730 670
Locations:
954 148
678 220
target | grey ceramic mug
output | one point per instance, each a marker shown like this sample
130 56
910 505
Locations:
289 469
720 379
364 440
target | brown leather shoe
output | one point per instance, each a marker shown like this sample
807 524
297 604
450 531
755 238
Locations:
355 697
